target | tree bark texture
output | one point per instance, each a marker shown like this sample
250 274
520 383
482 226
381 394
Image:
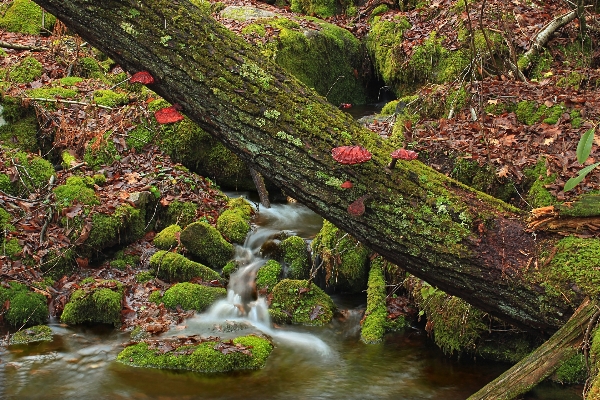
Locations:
462 241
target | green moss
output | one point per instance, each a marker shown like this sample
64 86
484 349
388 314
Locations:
101 151
51 93
204 241
139 137
384 42
26 308
38 333
175 267
204 357
455 325
302 303
25 16
296 257
97 303
122 260
110 98
144 276
538 195
34 173
572 371
373 324
167 238
229 269
191 296
70 80
571 272
5 221
482 178
75 190
234 223
344 258
21 134
27 70
268 275
59 263
320 8
11 248
88 67
180 213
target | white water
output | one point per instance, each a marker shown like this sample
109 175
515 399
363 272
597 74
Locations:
241 310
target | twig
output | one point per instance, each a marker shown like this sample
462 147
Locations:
15 46
82 103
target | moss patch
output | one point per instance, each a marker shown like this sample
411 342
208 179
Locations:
25 16
204 241
27 70
234 223
191 296
25 307
203 357
299 302
296 257
373 324
167 238
38 333
267 276
96 302
175 267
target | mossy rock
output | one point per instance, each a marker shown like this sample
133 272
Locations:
191 296
267 276
21 134
25 16
110 98
204 357
234 223
178 213
300 302
328 59
205 242
296 257
75 189
36 173
27 70
175 267
96 303
121 260
345 260
37 333
51 93
26 308
167 238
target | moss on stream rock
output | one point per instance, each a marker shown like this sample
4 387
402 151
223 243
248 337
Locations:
296 257
167 238
344 259
191 296
96 302
267 276
205 242
204 357
174 267
37 333
300 302
25 307
234 223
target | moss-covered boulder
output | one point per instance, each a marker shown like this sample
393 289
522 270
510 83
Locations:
38 333
167 238
27 70
33 173
267 276
20 130
96 302
322 55
174 267
180 213
296 258
242 353
234 223
345 260
300 302
191 296
25 16
205 242
25 308
76 189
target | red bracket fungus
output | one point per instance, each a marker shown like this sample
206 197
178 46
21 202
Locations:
346 185
351 155
142 77
357 207
402 154
168 115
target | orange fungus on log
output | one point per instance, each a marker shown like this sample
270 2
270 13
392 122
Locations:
350 154
357 207
168 115
346 185
142 77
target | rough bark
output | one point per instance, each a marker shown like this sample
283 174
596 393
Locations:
460 240
543 361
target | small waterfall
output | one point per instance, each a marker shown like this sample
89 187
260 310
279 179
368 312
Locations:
243 309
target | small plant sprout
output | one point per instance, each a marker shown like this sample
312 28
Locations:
584 148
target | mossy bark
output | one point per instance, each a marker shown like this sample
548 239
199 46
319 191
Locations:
462 241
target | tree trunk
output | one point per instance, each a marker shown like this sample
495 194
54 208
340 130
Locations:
462 241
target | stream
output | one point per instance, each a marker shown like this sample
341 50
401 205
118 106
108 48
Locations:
307 363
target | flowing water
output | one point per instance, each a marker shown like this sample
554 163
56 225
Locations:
307 363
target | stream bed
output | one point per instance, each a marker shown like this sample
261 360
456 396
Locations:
307 363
